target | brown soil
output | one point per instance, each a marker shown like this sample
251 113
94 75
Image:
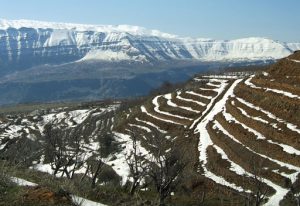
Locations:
286 67
221 167
244 157
44 196
282 107
176 110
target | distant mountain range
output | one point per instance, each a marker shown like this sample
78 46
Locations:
33 42
34 51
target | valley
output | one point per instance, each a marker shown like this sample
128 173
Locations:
78 62
233 139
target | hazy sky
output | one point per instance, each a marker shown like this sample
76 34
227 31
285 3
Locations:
218 19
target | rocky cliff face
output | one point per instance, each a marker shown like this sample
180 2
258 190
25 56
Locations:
29 43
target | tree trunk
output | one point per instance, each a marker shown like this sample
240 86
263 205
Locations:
133 188
85 174
93 185
57 167
134 185
161 201
100 164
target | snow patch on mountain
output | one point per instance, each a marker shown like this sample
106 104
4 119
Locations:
109 55
26 40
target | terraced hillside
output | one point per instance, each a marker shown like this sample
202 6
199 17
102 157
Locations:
248 129
240 135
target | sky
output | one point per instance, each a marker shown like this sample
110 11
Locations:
216 19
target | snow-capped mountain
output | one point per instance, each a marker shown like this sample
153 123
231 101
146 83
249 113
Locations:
28 43
44 61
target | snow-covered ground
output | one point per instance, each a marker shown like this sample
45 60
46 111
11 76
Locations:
119 164
230 118
32 127
212 101
206 141
85 202
144 43
140 127
295 60
199 123
22 182
221 76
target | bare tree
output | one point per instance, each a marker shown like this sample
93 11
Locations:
54 147
165 168
94 168
63 150
135 161
260 189
74 154
97 161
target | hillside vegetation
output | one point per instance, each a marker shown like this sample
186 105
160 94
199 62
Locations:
226 139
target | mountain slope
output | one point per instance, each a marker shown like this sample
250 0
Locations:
241 133
248 129
27 43
104 61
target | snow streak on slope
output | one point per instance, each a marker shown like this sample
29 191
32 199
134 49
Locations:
109 55
287 94
156 108
22 182
172 104
280 192
205 140
270 115
197 94
212 101
189 100
143 109
259 136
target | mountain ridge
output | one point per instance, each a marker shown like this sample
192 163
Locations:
74 42
108 60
